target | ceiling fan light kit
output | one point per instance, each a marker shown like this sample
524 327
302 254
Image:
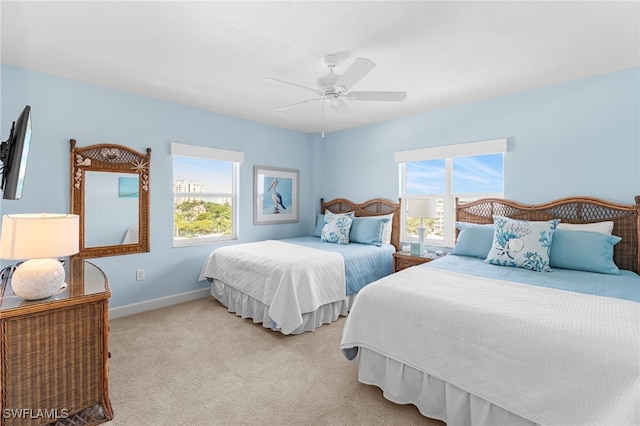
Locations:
332 88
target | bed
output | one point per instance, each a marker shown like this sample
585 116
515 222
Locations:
474 343
295 285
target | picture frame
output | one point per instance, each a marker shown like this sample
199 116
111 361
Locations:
128 187
275 195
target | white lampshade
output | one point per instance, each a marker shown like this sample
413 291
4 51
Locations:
422 208
40 238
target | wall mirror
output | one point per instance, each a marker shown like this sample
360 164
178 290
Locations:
110 193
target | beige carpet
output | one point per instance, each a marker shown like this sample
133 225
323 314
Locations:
197 364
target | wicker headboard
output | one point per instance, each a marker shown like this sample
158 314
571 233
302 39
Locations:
625 218
373 207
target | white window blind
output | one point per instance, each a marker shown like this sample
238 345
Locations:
206 152
494 146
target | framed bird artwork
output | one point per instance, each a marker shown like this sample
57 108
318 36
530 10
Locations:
276 195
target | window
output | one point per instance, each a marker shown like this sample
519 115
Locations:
442 174
205 182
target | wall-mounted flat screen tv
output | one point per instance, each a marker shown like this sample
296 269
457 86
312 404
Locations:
13 154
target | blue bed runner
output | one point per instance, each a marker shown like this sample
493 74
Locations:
623 286
363 263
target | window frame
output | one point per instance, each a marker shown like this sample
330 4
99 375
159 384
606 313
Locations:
215 154
447 153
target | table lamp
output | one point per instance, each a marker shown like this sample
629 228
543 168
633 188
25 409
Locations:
41 239
421 208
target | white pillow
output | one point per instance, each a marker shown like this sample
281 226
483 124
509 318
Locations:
601 227
388 227
336 227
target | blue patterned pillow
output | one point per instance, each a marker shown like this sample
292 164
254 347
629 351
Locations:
521 243
336 227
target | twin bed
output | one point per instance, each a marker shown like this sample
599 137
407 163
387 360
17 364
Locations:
473 343
297 284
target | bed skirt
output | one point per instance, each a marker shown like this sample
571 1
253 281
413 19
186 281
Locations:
433 397
246 306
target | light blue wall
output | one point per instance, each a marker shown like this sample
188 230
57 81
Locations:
576 138
63 109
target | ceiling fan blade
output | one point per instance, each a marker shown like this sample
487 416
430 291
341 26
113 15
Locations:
377 96
289 83
353 74
297 103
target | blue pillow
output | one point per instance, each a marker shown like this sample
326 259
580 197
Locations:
367 230
584 251
473 240
319 224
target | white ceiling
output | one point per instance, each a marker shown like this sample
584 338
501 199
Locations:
213 55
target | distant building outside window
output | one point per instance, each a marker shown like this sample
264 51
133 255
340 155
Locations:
465 171
205 182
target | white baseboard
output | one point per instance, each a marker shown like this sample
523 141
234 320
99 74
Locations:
148 305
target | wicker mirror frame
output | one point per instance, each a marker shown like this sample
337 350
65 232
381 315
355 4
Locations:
117 159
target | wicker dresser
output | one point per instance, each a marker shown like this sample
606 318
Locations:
54 353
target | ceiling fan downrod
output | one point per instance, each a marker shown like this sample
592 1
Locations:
323 102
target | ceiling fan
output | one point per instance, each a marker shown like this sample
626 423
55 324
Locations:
334 88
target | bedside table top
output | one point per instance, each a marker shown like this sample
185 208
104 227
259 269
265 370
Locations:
85 281
407 255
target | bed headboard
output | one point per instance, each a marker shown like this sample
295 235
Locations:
373 207
625 218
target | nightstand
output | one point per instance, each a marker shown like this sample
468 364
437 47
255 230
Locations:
54 353
405 260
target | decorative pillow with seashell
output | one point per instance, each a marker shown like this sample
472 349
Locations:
337 227
521 243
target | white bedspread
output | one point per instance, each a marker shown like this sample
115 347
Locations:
290 279
554 357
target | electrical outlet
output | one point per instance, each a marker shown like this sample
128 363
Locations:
140 275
